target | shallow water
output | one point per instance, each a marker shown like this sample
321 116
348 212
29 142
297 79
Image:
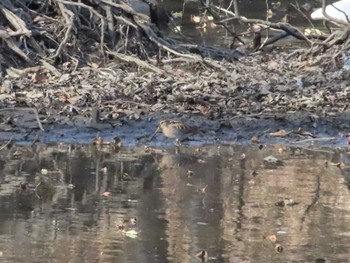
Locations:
226 207
217 35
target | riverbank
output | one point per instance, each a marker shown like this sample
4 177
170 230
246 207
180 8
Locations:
229 101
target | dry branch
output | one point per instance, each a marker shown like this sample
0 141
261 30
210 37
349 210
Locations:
34 110
91 11
68 16
137 61
113 27
16 22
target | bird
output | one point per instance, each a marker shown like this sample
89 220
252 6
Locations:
175 130
339 10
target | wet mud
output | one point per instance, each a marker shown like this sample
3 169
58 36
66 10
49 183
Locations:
228 102
300 127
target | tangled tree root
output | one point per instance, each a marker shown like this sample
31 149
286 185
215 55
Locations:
63 30
56 31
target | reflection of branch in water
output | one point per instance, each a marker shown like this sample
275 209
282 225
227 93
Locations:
59 170
36 190
203 202
241 202
314 200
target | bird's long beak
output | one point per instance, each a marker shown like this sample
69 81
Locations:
157 130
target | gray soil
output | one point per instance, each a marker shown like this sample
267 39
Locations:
230 102
71 73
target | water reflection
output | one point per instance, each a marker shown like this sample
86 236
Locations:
73 203
212 33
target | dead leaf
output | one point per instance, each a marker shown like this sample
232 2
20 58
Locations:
106 194
272 238
280 133
202 190
341 166
202 255
190 173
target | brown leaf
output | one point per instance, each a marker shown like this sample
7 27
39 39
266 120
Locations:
190 173
202 255
341 166
272 238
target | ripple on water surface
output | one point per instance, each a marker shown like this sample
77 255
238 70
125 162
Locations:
83 203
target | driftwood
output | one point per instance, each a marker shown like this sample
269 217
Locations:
109 27
137 61
113 28
339 37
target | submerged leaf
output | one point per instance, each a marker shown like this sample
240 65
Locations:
271 162
202 255
272 238
131 233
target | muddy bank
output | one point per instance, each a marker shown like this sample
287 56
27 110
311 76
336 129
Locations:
233 102
228 101
300 127
120 81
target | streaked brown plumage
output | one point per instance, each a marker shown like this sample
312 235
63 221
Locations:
175 130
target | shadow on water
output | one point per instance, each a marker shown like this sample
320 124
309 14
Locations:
83 203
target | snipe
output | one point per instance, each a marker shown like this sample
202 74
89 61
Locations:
175 130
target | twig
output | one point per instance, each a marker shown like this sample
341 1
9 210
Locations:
312 150
6 144
248 116
35 190
316 139
16 22
297 7
93 11
68 16
290 30
12 45
164 44
113 102
217 18
27 109
51 68
330 18
38 119
137 61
